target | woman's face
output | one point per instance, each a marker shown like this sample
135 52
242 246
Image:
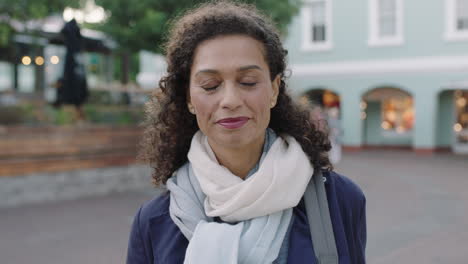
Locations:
231 92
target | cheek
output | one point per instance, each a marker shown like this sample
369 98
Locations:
261 102
203 108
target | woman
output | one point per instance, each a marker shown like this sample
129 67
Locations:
237 155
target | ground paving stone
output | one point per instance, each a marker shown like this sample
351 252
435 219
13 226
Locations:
417 212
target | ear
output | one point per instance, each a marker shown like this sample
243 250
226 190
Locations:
191 108
189 103
275 84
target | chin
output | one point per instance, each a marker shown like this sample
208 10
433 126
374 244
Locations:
237 140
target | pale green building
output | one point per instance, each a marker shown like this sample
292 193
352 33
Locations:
397 69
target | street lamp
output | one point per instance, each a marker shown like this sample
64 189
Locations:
26 60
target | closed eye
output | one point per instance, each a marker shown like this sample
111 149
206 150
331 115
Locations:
248 83
210 88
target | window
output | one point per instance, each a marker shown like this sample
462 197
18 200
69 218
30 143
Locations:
397 115
316 25
456 20
6 76
462 15
385 22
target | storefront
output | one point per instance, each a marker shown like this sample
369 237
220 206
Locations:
460 127
388 117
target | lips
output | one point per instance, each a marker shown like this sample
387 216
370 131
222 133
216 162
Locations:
233 123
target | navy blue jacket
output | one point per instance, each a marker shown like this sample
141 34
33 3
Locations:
155 238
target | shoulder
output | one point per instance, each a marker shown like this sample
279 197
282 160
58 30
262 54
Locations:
344 188
344 183
154 236
157 206
153 209
140 248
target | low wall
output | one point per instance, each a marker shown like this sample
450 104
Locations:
40 164
43 187
25 150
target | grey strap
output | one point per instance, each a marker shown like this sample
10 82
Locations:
318 214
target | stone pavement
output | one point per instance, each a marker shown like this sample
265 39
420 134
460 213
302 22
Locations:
417 212
85 231
417 206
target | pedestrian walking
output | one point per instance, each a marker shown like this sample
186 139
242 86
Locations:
248 175
334 128
72 88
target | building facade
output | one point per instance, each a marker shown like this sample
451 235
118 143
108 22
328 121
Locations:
397 70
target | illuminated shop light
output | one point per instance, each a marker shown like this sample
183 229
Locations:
461 102
457 127
39 60
363 105
386 125
26 60
363 115
54 59
391 116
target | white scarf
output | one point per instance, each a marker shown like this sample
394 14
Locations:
262 203
278 184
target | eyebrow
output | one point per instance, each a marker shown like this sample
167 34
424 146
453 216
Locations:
243 68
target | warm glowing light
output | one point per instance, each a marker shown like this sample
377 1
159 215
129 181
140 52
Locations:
363 115
39 60
391 116
461 102
457 127
26 60
54 59
386 125
363 105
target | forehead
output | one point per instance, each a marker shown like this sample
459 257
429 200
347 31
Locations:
229 52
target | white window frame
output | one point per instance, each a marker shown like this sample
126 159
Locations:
374 38
306 20
451 31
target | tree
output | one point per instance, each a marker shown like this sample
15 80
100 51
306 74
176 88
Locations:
143 24
26 10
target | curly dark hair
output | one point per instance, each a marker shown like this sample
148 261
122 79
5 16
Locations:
169 126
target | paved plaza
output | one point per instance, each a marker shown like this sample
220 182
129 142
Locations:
417 212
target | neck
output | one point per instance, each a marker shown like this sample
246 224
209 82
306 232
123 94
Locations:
239 160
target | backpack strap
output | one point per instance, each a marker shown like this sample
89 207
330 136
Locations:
318 214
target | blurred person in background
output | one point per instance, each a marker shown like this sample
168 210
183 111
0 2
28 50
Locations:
328 122
248 175
334 130
318 117
72 88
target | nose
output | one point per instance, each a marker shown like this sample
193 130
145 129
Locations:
231 96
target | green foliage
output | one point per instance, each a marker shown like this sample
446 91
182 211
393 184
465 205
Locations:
116 115
25 10
62 117
143 24
28 114
134 66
